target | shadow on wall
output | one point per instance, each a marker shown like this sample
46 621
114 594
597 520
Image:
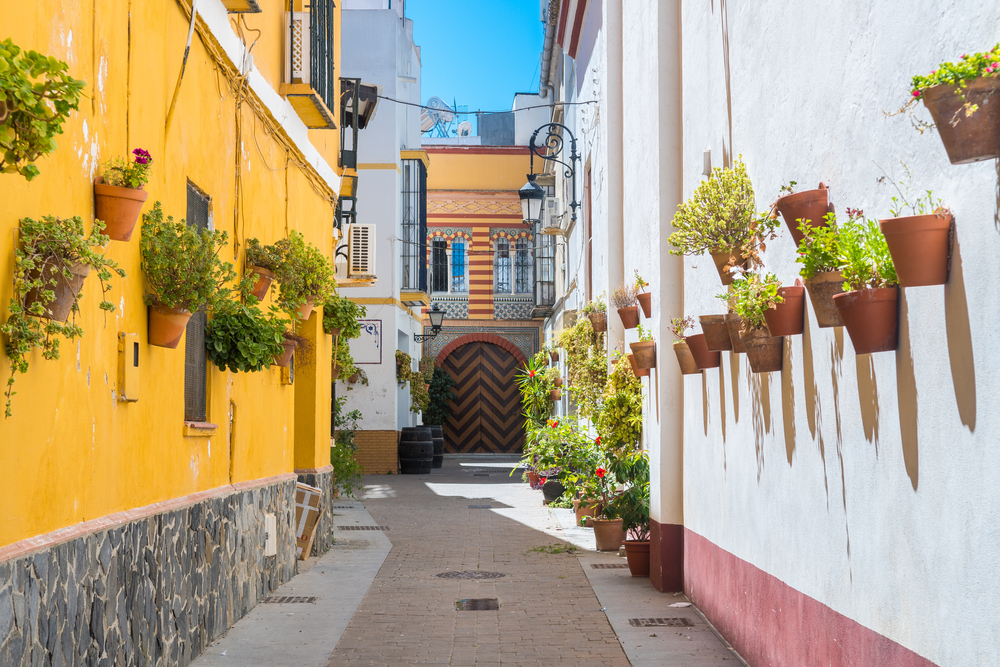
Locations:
760 393
868 397
906 394
788 400
956 314
734 373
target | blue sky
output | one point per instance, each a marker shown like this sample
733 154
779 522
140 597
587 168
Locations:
479 52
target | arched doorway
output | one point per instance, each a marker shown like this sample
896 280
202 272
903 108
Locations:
486 411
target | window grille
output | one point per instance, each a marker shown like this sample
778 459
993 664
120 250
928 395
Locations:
545 271
322 36
522 266
439 265
459 266
414 228
501 266
195 358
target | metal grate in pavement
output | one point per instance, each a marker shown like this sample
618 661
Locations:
660 623
288 599
345 507
608 566
477 604
471 574
480 507
362 527
480 474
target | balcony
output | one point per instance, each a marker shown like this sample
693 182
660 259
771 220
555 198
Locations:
309 82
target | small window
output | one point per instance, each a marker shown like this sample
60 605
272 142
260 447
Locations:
195 358
459 266
439 265
522 267
501 266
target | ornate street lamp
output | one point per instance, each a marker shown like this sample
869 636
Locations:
531 195
551 148
436 316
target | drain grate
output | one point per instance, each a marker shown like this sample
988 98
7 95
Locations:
480 474
480 507
608 566
660 623
345 507
363 527
288 599
471 574
477 604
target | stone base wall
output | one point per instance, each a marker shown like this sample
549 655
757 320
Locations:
322 479
152 586
377 451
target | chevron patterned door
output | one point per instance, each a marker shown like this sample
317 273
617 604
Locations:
486 411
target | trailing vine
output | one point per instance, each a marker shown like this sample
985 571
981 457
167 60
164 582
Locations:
586 365
619 422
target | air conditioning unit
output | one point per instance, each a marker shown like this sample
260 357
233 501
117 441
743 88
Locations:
553 219
360 251
297 41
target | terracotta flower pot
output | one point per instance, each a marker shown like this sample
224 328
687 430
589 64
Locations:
684 358
703 357
644 353
716 333
558 382
166 325
305 310
871 318
334 331
65 289
788 317
264 279
427 387
118 208
637 554
646 303
629 316
285 357
599 321
822 287
919 245
636 371
555 394
721 259
334 371
810 205
554 356
585 511
764 351
734 324
971 138
533 479
353 379
608 534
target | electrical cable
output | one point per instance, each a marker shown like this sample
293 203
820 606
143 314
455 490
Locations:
471 113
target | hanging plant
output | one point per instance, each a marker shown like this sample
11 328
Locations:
341 315
586 365
624 299
262 261
619 422
242 338
404 363
751 296
305 275
685 359
343 362
50 265
119 199
596 312
644 350
36 97
644 298
819 255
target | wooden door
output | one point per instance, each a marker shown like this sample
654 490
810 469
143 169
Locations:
486 411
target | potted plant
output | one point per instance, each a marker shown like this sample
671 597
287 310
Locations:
262 261
119 195
961 97
342 363
751 297
619 422
554 355
624 299
603 491
685 359
346 470
52 260
38 95
869 308
534 388
596 312
809 207
644 298
734 325
341 316
720 219
632 471
183 272
645 349
716 333
638 372
703 357
787 316
305 276
819 255
919 243
242 338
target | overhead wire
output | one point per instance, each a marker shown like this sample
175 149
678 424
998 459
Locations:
472 113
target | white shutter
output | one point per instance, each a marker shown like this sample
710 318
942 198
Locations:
361 251
297 47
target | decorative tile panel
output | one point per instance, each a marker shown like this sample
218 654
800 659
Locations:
524 338
512 307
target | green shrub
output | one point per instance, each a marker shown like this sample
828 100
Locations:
750 296
342 313
438 411
242 338
304 273
263 256
346 471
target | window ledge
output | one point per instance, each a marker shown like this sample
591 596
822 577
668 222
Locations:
199 429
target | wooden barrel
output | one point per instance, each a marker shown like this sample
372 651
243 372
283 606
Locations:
416 450
437 432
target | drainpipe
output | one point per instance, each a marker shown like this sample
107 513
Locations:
550 37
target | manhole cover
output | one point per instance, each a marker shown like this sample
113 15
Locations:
660 623
477 604
288 599
471 574
480 507
363 527
608 566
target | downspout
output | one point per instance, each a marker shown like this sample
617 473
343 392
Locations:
550 37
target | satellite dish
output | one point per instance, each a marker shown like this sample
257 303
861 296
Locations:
465 129
440 111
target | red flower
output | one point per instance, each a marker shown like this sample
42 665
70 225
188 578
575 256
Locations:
600 472
555 424
916 93
531 374
598 440
543 479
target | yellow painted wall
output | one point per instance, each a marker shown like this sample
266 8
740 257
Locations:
478 168
71 452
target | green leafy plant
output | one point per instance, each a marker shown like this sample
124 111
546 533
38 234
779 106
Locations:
720 216
679 325
404 367
49 248
787 188
819 249
182 264
341 313
619 421
918 205
751 295
640 284
586 365
305 273
624 297
561 447
958 75
242 338
645 335
595 306
346 470
420 398
344 360
864 256
440 393
264 256
36 97
121 173
631 469
534 386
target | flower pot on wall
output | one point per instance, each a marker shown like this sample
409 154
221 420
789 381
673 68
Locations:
285 358
822 287
334 371
65 289
716 333
646 303
554 356
629 316
118 208
721 259
684 358
608 534
971 138
871 318
599 321
764 351
555 394
166 325
305 310
703 357
919 245
637 554
640 372
264 279
353 379
734 324
788 317
644 353
558 382
810 205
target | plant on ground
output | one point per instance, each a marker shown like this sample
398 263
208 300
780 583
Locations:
48 249
624 297
438 411
750 296
534 385
561 447
305 273
864 256
341 313
586 365
346 470
678 327
182 264
958 75
121 173
631 469
36 97
819 249
263 256
242 338
619 422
